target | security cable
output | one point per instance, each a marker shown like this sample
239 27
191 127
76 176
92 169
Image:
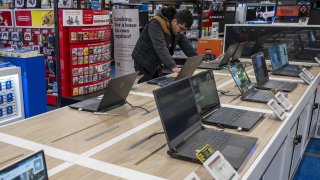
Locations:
134 107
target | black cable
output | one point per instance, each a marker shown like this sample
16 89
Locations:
134 107
226 93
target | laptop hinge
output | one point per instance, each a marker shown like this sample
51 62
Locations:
205 116
186 138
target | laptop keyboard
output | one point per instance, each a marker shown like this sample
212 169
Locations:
209 65
215 138
226 115
93 107
287 72
261 95
166 81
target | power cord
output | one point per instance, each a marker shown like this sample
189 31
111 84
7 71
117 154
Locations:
134 107
226 93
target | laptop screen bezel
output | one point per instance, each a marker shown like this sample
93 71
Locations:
229 54
174 143
214 107
249 90
238 52
286 50
256 69
17 163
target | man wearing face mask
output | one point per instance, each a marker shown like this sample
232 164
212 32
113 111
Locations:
158 40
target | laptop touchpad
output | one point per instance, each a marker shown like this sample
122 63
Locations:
232 151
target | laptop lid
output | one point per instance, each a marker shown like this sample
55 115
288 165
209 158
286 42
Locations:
260 68
178 111
241 79
237 54
228 54
275 58
117 91
205 92
189 67
31 167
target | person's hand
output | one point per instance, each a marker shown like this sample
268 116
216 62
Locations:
176 69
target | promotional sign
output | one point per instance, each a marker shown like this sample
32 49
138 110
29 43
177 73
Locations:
34 18
85 17
6 18
125 34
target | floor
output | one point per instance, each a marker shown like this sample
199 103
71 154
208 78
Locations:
309 168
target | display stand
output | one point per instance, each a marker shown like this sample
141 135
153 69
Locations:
10 79
33 84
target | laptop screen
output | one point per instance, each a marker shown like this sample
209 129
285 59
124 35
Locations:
241 78
205 92
32 167
176 107
260 68
283 54
259 13
274 57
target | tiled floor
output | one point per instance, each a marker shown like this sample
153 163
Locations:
309 168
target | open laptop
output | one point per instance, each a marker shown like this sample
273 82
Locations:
246 88
280 63
208 105
236 56
313 41
262 77
222 61
187 70
186 135
301 52
31 167
115 95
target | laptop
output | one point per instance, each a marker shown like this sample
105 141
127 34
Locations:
115 95
236 56
223 59
31 167
246 88
208 104
262 77
186 135
187 70
313 41
280 63
301 52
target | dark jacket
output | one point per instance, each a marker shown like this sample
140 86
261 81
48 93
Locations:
153 46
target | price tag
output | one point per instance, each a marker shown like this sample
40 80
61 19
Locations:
284 100
192 176
305 78
204 153
277 109
220 168
308 73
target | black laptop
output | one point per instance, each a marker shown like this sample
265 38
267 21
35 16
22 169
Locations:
236 56
301 52
313 41
280 63
262 77
246 88
208 104
115 95
187 70
222 61
186 135
31 167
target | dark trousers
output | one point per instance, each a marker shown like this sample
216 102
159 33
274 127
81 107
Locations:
146 74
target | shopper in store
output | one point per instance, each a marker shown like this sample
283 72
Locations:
158 40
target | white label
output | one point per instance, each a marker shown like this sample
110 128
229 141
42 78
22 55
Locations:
220 168
317 59
308 73
305 78
277 109
283 100
192 176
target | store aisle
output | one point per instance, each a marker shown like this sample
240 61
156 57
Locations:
310 163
